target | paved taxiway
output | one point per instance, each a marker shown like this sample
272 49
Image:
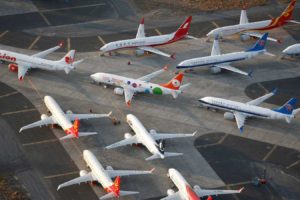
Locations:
75 92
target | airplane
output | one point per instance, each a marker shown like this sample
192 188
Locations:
240 111
252 29
147 44
292 50
220 61
186 192
103 176
63 120
129 87
152 140
21 63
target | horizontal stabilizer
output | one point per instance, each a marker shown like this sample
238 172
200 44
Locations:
108 196
183 87
80 134
162 156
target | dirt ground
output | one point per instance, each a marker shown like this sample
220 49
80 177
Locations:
11 190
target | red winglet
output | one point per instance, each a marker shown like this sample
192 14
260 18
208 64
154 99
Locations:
76 127
142 21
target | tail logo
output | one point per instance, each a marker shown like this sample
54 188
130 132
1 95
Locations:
289 107
69 60
185 25
262 43
175 83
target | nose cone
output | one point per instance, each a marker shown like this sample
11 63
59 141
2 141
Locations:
171 171
103 48
85 153
205 100
93 76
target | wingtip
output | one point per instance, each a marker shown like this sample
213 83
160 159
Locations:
250 73
241 129
128 103
195 133
61 44
166 67
240 190
173 56
142 20
274 91
109 114
152 170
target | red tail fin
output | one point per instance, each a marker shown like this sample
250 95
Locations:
76 127
183 29
175 82
117 183
288 12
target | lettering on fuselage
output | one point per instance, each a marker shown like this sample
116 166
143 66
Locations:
7 57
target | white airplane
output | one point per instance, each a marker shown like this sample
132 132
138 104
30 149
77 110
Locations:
186 192
129 86
21 63
252 29
152 140
240 111
63 120
146 44
220 61
103 176
292 50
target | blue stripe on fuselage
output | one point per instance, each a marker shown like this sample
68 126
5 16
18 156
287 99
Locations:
215 63
238 110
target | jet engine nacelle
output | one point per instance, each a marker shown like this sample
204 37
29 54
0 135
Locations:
228 116
215 70
44 116
69 112
245 37
13 67
161 146
119 91
83 173
139 52
152 131
127 135
196 187
170 192
109 168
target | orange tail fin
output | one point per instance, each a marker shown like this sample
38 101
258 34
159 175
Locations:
288 12
175 82
117 183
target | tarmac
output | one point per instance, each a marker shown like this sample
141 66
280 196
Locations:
217 157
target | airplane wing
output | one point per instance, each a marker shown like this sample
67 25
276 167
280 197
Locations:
259 35
240 120
81 179
156 51
261 99
43 122
175 196
114 173
72 117
128 141
233 69
47 52
153 74
162 136
204 192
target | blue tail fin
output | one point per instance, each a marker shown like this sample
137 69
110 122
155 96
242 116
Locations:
260 44
288 107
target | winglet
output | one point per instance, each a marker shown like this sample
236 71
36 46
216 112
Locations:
109 114
152 170
166 67
250 73
128 103
61 44
240 190
142 21
274 91
173 56
194 133
242 129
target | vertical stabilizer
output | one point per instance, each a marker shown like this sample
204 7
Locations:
141 30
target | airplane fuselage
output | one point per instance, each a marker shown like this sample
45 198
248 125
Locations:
140 42
58 115
31 61
142 134
248 110
233 29
98 171
181 184
218 59
138 85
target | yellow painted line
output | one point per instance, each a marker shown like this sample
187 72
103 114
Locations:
45 19
73 7
260 85
19 111
59 175
4 33
215 24
34 87
222 139
40 142
101 39
158 32
69 44
293 164
34 42
269 153
9 94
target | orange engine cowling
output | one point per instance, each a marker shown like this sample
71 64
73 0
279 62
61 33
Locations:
13 67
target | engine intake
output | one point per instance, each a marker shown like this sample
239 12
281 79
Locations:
228 116
44 116
13 67
119 91
127 135
215 70
83 173
170 192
